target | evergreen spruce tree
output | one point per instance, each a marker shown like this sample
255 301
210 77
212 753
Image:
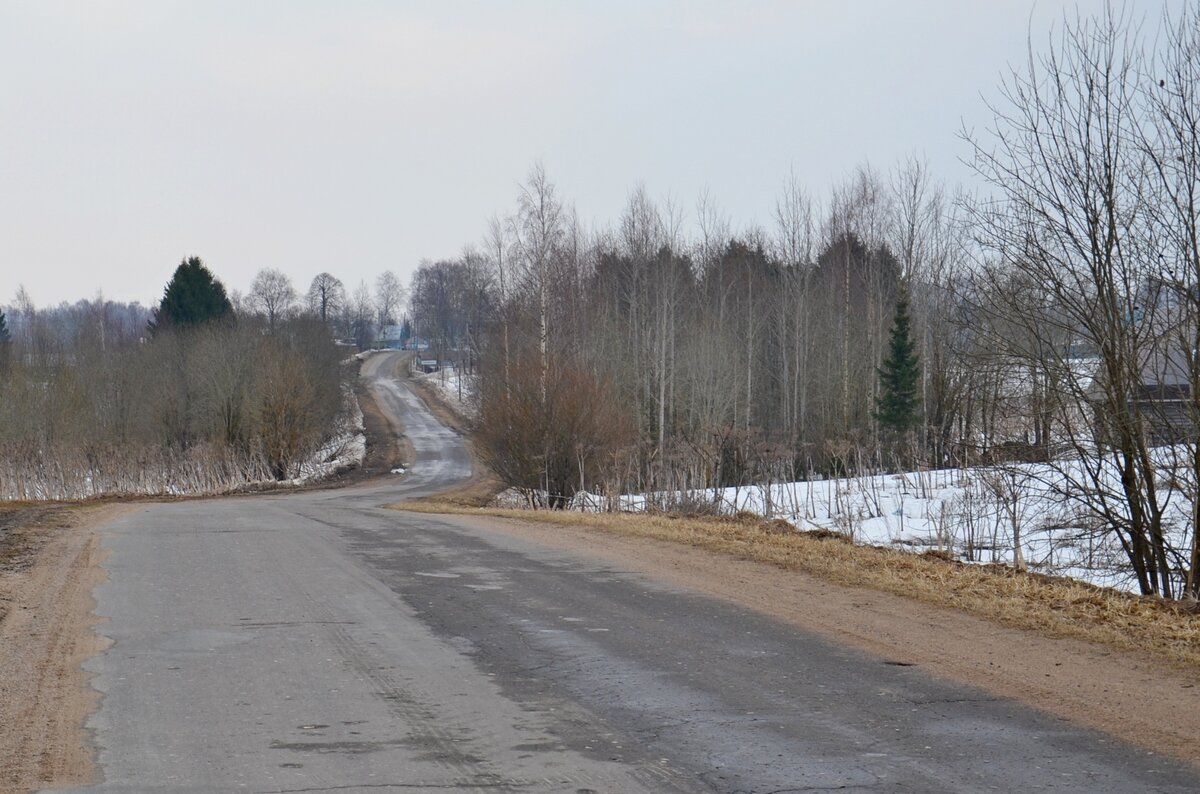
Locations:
899 406
193 297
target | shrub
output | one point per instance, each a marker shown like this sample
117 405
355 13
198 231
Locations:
556 434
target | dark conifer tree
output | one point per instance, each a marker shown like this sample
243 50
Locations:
193 297
899 405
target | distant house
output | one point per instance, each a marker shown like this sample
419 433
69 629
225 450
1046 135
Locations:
391 337
416 343
1163 398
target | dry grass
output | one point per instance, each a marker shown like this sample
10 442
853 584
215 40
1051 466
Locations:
1055 606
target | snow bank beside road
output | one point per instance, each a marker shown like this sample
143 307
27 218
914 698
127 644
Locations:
345 451
456 388
967 513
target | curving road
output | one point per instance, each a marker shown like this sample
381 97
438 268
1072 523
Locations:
316 642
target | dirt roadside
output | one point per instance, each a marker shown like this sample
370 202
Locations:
50 565
1122 694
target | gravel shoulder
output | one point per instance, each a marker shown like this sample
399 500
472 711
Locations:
52 562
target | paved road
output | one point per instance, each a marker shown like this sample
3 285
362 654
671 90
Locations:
315 642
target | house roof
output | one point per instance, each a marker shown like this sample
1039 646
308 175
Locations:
1166 369
391 332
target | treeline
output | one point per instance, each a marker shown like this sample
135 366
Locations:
99 398
1055 317
721 358
355 315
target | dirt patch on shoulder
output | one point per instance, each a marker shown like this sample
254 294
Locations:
1139 699
50 560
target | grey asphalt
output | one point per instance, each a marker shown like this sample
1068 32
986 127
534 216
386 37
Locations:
316 642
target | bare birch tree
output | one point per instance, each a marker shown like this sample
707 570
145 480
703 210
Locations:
538 233
389 297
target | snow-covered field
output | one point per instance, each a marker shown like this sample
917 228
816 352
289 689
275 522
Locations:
969 513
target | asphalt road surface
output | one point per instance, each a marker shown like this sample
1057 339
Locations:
316 642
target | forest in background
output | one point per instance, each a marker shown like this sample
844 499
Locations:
727 357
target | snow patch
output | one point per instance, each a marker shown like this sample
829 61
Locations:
967 513
345 451
455 387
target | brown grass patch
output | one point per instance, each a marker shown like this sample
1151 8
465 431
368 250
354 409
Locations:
20 525
469 497
1055 606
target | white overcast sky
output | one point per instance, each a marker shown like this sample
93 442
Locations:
356 137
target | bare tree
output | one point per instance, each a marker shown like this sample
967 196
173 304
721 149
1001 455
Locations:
926 237
538 233
389 297
859 211
326 296
1170 142
794 243
272 293
714 227
497 243
362 312
1067 225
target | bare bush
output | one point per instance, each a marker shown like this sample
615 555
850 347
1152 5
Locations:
203 410
555 440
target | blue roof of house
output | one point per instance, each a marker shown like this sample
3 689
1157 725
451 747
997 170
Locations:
391 332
